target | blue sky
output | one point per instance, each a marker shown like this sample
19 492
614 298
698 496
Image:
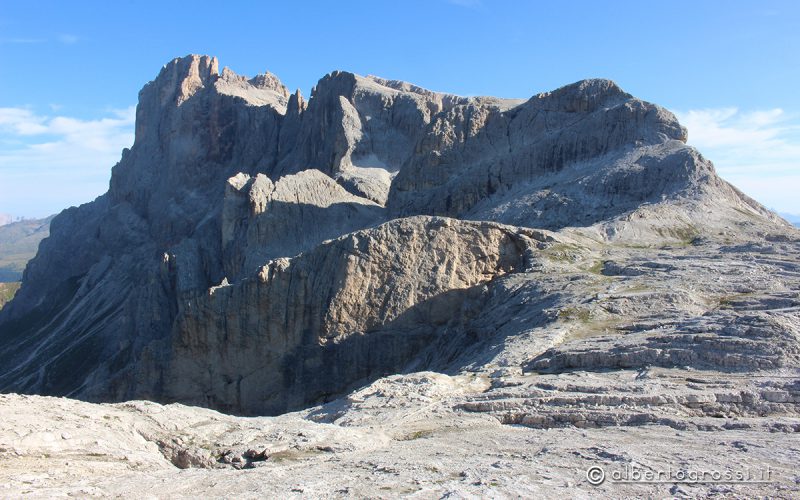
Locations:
72 71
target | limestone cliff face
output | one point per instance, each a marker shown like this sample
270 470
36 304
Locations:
475 154
262 220
309 327
206 274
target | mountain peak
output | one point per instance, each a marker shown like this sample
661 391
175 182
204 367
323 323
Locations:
182 77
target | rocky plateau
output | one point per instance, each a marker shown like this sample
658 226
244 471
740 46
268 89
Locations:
386 291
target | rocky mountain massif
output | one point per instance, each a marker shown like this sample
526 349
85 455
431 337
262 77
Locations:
457 295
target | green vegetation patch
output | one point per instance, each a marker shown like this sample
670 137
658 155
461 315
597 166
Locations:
574 314
563 252
597 267
729 301
685 234
420 434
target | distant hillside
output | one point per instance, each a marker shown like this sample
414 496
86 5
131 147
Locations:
793 218
18 244
7 291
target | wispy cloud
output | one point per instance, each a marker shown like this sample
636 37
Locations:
68 39
64 38
50 162
759 151
21 41
21 121
470 4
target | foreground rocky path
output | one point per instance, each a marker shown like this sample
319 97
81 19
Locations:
671 359
424 435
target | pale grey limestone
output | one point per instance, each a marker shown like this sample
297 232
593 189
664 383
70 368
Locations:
258 253
462 297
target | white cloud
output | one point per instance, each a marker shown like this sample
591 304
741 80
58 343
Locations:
51 162
21 121
758 151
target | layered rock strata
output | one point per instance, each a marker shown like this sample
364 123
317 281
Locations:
257 252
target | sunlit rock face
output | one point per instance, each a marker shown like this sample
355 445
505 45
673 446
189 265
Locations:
257 252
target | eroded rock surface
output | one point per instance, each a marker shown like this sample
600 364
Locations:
458 296
309 327
257 252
